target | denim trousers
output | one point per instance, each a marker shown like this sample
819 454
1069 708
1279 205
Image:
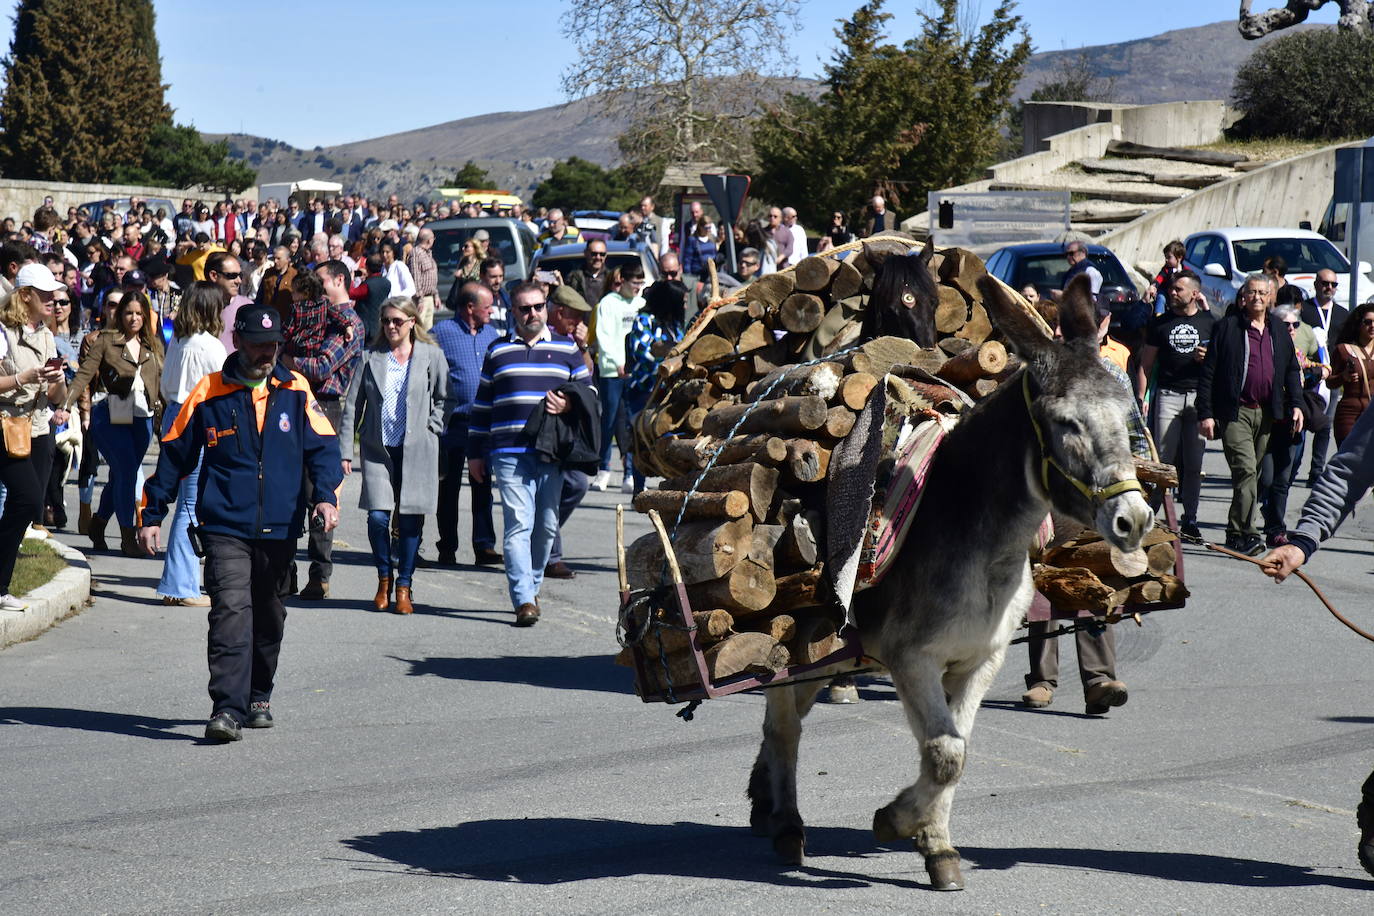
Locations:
575 484
123 447
408 528
530 490
181 568
615 426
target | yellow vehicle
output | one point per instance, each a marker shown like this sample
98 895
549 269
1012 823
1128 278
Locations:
488 199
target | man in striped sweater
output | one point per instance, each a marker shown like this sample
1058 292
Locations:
521 374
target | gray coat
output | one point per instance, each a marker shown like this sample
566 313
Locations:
427 408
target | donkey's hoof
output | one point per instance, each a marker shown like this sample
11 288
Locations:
790 847
885 829
944 872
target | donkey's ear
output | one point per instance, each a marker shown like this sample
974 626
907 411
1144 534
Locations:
1078 312
1010 317
928 251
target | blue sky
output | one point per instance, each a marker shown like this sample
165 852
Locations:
326 73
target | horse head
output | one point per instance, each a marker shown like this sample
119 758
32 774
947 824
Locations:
1079 413
903 300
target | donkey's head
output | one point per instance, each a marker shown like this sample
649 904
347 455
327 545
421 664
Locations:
1080 413
903 300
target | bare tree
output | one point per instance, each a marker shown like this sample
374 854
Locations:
690 75
1356 15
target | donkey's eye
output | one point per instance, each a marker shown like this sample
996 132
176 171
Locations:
1071 427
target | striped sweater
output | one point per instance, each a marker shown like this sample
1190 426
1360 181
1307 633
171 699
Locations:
515 377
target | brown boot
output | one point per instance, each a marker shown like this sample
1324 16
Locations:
403 605
95 530
83 519
382 601
128 543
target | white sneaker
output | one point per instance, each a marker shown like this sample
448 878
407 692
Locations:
37 533
602 481
627 485
11 603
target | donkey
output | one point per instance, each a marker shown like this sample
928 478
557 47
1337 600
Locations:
1054 436
904 298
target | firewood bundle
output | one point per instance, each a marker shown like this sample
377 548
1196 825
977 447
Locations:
1086 573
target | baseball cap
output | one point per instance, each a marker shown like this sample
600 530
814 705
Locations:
568 298
135 279
39 277
255 324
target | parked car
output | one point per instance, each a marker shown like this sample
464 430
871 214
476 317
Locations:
567 258
596 224
507 239
121 206
1042 264
1222 258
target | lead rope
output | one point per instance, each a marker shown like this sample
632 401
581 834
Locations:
1226 551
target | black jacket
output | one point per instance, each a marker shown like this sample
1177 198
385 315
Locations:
1310 317
571 439
1223 372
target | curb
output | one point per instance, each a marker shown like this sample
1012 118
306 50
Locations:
66 594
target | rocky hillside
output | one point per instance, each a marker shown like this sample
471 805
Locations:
518 148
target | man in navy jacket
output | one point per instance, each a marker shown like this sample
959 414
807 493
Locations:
254 427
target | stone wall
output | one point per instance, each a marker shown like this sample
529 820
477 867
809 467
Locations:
20 198
1164 124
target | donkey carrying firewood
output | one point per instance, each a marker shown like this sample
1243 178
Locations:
1052 437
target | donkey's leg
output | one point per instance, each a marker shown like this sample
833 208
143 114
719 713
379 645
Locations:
776 768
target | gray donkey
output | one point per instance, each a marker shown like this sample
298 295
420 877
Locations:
1054 436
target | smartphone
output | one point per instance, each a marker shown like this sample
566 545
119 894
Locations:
56 362
545 276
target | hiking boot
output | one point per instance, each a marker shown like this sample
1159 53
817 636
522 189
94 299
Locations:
527 615
1038 697
223 727
259 715
1103 695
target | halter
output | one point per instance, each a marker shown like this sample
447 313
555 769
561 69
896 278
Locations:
1096 497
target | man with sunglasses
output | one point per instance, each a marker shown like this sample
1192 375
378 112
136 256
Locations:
225 271
522 373
589 280
1325 318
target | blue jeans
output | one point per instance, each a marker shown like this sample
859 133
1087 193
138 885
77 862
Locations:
123 447
610 390
181 568
575 485
407 544
530 491
635 401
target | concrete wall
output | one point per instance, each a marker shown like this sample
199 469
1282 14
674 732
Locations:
1164 124
1058 151
20 198
1282 194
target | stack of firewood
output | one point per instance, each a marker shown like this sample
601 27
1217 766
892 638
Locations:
732 395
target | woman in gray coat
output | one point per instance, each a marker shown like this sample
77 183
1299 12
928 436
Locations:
398 404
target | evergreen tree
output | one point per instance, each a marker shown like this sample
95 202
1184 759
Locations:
177 156
74 108
472 175
576 184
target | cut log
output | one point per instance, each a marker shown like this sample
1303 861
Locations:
754 337
801 313
1161 559
745 653
822 380
769 291
781 416
846 281
954 345
878 356
729 320
816 639
695 418
1073 589
848 333
856 388
1101 558
985 361
838 422
978 328
804 589
803 464
712 625
704 551
724 380
754 480
1156 473
710 348
746 589
962 269
797 547
782 627
699 505
1174 589
813 273
952 311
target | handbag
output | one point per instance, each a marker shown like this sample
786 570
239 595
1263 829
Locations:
121 407
18 436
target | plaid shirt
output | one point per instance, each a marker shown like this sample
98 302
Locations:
1135 424
317 339
424 271
640 361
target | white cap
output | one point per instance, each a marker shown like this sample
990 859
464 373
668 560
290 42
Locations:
39 277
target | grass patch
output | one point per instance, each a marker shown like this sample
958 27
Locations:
1272 149
36 566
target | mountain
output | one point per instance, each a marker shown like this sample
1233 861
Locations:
519 148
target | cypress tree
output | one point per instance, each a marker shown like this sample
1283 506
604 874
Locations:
83 89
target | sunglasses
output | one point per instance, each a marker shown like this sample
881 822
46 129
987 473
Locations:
596 254
232 276
1367 321
670 275
395 322
1292 324
1329 283
527 309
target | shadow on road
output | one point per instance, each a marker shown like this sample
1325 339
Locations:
94 720
581 672
1018 706
1167 866
557 850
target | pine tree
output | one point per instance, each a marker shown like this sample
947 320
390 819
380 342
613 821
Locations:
74 107
472 175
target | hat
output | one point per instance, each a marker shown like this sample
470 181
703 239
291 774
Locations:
388 224
157 267
135 279
255 324
568 298
39 277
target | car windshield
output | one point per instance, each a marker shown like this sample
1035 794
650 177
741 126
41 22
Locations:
1047 270
1304 256
448 244
566 264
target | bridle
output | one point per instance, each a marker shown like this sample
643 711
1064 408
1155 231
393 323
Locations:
1047 461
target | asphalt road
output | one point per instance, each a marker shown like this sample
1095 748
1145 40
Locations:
448 762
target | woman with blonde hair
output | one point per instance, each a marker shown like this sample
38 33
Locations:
398 401
31 379
127 360
474 252
195 352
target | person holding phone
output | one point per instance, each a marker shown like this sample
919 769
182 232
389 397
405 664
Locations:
261 432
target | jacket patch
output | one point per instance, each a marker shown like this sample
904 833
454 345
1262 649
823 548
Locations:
284 423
